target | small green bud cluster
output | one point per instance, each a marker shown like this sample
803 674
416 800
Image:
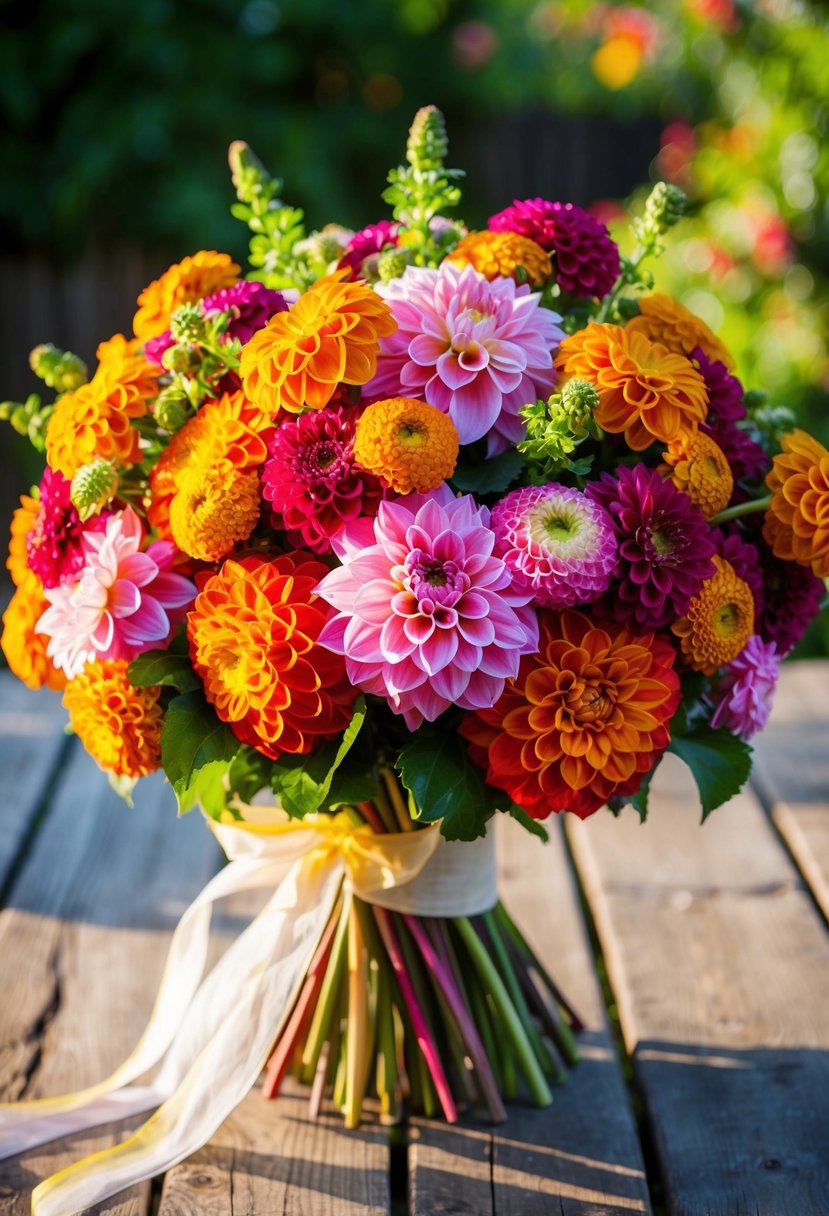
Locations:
664 208
391 262
59 369
93 486
187 324
28 418
172 408
556 427
428 143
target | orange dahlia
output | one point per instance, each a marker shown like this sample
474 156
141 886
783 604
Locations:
253 640
585 719
408 444
24 648
644 389
504 254
215 506
118 724
84 425
24 520
128 376
330 336
699 467
797 521
719 620
665 320
189 280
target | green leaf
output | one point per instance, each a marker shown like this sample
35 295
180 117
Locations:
302 783
639 800
446 785
532 825
719 761
490 476
248 773
350 786
196 751
163 667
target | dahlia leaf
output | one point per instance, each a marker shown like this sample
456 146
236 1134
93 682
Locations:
446 786
162 667
196 750
490 476
532 825
719 762
249 772
302 783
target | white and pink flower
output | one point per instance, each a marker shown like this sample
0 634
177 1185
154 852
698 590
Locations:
476 350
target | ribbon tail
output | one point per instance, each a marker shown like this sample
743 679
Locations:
223 1049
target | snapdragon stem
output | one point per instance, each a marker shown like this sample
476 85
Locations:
740 509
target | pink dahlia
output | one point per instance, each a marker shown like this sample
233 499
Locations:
665 547
586 258
476 350
250 304
311 478
367 244
559 545
745 691
54 548
426 614
123 602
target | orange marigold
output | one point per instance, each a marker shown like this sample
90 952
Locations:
585 719
191 279
330 336
699 467
24 648
253 640
118 724
23 520
665 320
644 389
408 444
719 620
797 521
505 254
215 506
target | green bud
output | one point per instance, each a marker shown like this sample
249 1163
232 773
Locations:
665 208
427 145
172 409
391 262
59 369
187 324
183 357
246 170
93 485
579 400
325 246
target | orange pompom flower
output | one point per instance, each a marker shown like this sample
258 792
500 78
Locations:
214 508
187 281
118 724
644 389
797 521
253 641
662 319
23 646
24 521
585 719
408 444
330 336
699 467
719 620
504 254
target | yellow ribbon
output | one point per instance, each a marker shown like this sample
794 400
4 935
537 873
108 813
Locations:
214 1034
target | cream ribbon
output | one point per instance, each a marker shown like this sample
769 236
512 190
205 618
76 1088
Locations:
213 1035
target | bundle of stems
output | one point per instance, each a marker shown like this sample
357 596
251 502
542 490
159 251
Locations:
428 1014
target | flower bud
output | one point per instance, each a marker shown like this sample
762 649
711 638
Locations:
92 486
427 144
183 357
246 170
664 208
391 263
579 400
171 409
187 324
59 369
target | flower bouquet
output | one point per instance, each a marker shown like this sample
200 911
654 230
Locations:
411 527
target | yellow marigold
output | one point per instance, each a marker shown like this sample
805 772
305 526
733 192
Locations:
797 521
25 650
23 520
191 279
665 320
719 621
408 444
85 424
699 467
505 254
215 507
645 390
118 724
329 337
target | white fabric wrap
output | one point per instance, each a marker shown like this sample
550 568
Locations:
459 880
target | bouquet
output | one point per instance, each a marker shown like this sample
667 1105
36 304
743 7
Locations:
409 528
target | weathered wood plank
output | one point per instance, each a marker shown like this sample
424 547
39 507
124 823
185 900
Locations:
720 965
580 1156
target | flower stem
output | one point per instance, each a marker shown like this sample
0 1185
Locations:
504 965
521 944
399 807
358 1029
741 508
328 994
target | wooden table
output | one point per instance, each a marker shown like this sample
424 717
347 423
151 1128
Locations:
699 958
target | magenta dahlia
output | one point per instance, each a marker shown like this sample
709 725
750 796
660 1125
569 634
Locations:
586 258
367 243
744 559
745 690
665 547
725 393
311 479
558 544
54 545
476 350
791 599
426 614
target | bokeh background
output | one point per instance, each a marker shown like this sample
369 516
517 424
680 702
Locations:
114 125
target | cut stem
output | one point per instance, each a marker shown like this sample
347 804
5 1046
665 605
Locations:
741 508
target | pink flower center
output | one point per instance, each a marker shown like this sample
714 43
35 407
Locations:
434 582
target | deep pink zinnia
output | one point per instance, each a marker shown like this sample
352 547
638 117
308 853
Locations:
367 243
586 258
665 547
476 350
311 478
746 688
54 545
426 615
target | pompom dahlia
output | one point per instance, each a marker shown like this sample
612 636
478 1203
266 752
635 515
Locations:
503 254
478 351
23 646
746 688
24 519
118 724
185 282
426 615
123 602
408 444
366 243
254 640
215 507
558 544
718 622
585 719
663 319
665 546
586 258
700 469
797 521
312 480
